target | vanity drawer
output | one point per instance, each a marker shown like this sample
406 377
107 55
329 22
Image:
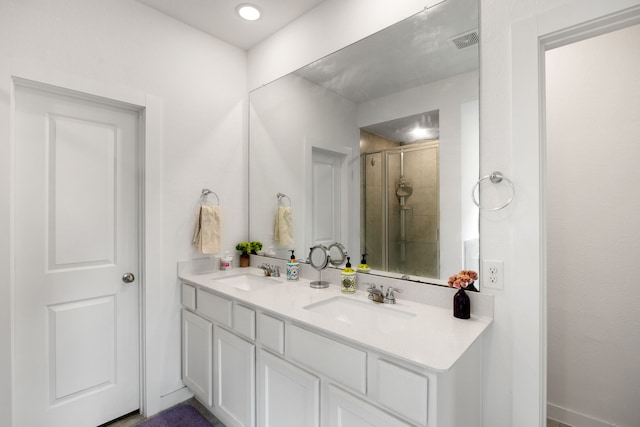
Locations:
344 364
188 296
244 321
271 333
214 307
402 391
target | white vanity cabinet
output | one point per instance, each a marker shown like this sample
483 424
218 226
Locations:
218 365
287 395
253 365
346 410
197 355
234 378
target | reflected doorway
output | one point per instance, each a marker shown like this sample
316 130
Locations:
400 205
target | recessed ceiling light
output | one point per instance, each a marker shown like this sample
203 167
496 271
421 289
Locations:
248 11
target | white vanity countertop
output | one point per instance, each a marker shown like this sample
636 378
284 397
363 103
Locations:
433 338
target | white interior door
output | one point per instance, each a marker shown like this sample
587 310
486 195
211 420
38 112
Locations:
76 235
327 183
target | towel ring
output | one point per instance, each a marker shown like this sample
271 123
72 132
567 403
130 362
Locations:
495 177
281 196
205 193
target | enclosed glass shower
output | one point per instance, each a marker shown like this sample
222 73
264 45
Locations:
400 209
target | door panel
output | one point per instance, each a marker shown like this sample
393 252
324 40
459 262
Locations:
327 186
81 149
82 369
76 234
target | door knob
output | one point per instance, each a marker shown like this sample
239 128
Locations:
128 277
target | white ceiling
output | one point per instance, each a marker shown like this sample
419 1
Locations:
219 18
416 51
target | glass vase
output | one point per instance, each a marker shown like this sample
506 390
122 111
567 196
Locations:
461 305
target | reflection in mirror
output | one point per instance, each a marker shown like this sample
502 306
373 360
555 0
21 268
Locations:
337 254
400 199
377 147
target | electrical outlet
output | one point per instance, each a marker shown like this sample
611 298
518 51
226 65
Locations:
492 274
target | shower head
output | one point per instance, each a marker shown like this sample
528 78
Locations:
404 188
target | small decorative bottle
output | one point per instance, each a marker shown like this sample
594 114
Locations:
226 262
293 268
348 278
364 267
461 305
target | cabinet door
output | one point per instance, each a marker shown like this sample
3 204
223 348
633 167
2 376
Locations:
197 355
346 410
234 378
287 395
403 391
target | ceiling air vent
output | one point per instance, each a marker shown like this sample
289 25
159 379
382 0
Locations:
465 40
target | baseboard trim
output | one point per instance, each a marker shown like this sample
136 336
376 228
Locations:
566 416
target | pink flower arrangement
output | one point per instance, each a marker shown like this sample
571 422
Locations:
462 279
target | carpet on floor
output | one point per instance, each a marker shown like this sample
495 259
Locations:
178 416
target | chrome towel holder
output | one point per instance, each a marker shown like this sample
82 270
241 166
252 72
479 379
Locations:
206 192
281 196
495 178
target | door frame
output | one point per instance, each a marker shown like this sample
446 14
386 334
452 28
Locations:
149 179
530 39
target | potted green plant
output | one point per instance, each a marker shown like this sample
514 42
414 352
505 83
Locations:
246 248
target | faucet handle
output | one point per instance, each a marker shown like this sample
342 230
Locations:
390 298
266 268
375 294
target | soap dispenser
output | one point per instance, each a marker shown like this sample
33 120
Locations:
348 278
293 268
364 267
226 262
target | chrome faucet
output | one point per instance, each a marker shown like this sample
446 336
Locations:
375 294
270 270
389 298
378 295
266 268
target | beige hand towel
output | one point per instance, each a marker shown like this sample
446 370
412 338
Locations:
206 236
283 232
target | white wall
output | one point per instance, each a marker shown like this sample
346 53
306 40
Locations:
593 105
199 87
470 165
511 124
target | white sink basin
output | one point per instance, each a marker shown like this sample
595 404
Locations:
247 282
362 313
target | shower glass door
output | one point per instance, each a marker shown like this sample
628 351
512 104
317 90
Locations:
401 210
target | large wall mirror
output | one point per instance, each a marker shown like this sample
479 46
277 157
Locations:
375 146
